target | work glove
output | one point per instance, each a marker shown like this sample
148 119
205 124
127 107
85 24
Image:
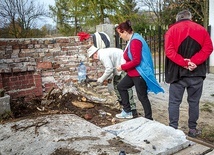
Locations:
105 82
99 80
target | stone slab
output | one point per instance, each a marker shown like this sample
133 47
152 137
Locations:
150 137
4 104
57 133
194 149
210 153
70 134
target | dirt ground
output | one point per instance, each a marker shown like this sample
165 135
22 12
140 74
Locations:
99 114
102 115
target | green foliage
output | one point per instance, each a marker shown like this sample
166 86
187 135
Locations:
84 15
67 30
140 26
169 14
199 10
129 10
73 16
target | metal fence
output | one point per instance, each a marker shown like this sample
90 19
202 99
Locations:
154 36
208 61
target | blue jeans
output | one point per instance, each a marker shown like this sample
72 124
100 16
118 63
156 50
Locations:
194 87
141 89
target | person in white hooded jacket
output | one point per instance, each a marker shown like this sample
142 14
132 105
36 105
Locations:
111 58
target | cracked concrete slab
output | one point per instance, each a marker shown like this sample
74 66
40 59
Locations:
70 134
151 137
56 133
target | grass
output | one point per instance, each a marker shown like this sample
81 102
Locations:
207 107
208 130
208 133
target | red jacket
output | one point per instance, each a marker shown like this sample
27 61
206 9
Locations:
129 66
186 39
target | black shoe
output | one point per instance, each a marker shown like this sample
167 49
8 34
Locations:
194 133
134 113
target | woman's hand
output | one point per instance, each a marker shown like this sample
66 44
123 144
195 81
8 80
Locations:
119 68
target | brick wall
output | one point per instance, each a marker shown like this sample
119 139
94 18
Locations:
31 67
22 84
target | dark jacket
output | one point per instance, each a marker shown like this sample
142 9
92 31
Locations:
186 39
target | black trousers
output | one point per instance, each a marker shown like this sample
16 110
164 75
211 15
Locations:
194 87
141 89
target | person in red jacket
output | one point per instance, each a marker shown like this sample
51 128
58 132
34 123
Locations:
187 47
140 71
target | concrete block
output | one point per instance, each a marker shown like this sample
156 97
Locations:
4 104
151 137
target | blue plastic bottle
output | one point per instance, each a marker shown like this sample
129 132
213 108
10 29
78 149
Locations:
81 72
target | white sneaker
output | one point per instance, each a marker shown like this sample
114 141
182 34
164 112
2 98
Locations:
124 114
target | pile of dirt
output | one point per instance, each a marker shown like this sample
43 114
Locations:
98 114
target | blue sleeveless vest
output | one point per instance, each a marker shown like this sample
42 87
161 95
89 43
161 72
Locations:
145 68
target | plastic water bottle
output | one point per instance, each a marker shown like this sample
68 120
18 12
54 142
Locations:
81 72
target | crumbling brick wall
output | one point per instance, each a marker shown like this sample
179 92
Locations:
31 67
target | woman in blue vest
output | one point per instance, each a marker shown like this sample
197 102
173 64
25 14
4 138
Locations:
140 71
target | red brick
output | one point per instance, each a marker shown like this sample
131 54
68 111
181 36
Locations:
38 82
44 65
16 46
38 92
3 43
37 76
1 81
30 81
13 78
21 77
65 40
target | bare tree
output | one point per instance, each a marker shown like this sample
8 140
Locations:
154 8
19 16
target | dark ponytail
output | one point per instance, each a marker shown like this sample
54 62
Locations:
128 23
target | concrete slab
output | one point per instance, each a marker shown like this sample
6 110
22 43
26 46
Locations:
70 134
211 153
194 149
151 137
57 134
5 104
